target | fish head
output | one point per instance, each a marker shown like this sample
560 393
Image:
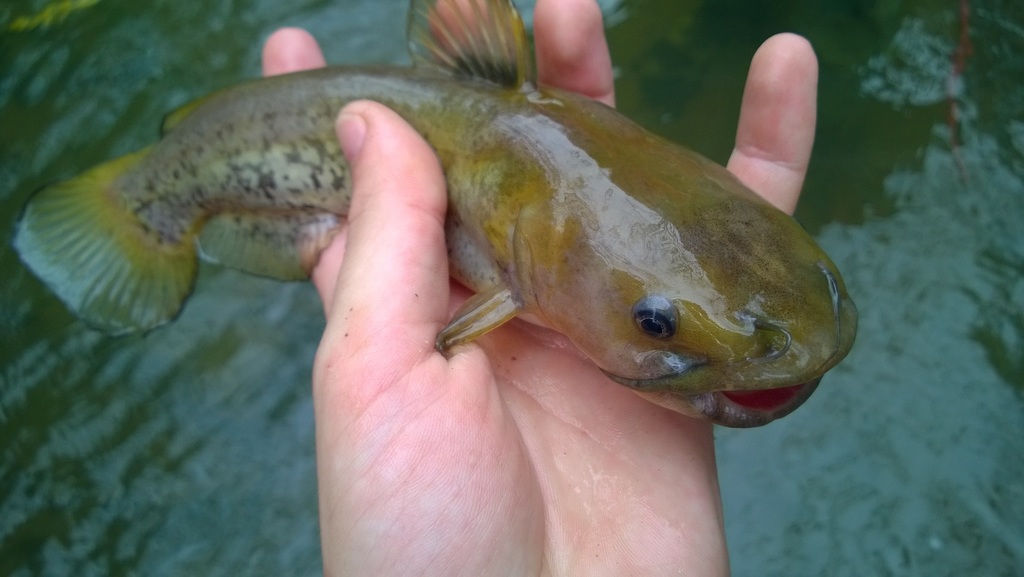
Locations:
685 286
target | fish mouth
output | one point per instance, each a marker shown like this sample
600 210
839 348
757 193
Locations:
728 407
737 409
745 409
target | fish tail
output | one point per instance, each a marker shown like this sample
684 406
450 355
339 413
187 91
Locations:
81 238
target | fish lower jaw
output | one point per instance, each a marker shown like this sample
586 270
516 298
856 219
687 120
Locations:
738 409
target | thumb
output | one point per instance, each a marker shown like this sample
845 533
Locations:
391 294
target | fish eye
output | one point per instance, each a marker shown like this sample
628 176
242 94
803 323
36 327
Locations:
656 316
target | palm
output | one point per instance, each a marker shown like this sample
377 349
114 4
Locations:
533 449
619 476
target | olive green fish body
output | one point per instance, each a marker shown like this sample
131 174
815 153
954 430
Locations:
674 278
269 148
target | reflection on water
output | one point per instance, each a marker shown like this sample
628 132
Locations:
159 452
190 450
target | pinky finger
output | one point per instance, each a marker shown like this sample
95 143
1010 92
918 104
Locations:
777 119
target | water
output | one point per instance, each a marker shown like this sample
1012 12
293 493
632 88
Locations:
190 450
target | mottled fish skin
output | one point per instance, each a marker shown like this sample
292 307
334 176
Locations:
272 150
269 147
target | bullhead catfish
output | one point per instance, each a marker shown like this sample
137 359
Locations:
664 270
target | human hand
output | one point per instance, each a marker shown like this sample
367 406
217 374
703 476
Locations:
514 456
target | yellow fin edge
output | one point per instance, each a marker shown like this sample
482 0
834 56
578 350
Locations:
112 271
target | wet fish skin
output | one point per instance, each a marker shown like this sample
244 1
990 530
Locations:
658 264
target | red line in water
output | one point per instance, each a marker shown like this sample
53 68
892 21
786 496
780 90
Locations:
959 63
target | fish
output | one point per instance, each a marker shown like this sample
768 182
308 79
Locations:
659 265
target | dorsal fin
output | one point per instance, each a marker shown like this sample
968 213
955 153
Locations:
471 38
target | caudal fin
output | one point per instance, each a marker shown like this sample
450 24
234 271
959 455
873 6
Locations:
99 258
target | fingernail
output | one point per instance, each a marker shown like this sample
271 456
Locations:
351 134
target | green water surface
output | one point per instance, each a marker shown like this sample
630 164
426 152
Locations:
189 451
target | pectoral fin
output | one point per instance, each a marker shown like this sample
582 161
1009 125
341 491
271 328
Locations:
480 314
